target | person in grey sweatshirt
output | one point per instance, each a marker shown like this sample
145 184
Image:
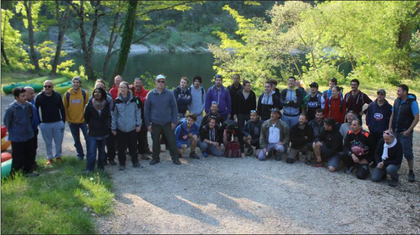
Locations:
126 123
160 114
198 95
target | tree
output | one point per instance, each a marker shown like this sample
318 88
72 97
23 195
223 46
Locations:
62 17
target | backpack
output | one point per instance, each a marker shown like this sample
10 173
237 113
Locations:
341 104
233 150
68 96
361 93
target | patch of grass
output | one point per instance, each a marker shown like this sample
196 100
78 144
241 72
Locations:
54 201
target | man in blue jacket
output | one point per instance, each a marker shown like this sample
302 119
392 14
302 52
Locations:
186 135
221 96
18 121
183 97
30 97
377 116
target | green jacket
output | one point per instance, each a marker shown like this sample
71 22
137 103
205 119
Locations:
284 133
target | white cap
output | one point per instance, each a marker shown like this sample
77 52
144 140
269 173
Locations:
160 76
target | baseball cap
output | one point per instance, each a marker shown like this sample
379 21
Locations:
160 76
314 84
275 110
77 78
381 91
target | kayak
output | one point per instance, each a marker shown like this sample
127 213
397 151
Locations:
5 144
5 156
6 168
3 131
63 87
39 84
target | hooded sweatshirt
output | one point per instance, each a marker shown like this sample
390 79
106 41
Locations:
183 99
75 106
126 113
160 109
18 122
377 117
181 130
198 102
220 96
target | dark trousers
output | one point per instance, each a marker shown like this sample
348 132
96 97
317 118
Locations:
242 119
34 148
110 147
376 137
170 139
125 139
142 144
22 156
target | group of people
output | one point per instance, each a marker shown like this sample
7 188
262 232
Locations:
222 121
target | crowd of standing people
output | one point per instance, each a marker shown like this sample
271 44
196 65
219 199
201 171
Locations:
324 127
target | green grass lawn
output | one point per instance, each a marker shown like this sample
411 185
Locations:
56 201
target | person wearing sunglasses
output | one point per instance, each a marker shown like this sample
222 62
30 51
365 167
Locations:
52 115
388 155
160 115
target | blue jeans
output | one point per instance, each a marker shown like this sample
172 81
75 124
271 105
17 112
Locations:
96 143
290 120
407 143
390 169
210 149
74 129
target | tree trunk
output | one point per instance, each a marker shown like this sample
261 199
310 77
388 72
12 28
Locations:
3 53
62 27
126 38
111 43
34 58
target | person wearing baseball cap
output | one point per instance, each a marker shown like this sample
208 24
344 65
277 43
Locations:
160 114
274 136
313 101
377 117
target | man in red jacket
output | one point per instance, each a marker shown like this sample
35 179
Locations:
142 145
114 90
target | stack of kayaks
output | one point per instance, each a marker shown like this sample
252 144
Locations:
62 87
6 157
37 84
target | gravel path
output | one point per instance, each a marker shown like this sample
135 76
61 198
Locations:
219 195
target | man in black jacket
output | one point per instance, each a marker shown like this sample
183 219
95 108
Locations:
329 145
301 135
251 132
234 89
388 155
267 101
358 150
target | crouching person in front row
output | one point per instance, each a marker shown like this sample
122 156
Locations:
210 136
251 132
358 151
389 153
186 135
329 146
301 137
274 136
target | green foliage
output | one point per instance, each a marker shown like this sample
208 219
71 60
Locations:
54 201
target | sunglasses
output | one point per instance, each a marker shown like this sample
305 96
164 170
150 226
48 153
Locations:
161 81
46 86
253 111
387 133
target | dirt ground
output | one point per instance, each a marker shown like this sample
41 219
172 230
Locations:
219 195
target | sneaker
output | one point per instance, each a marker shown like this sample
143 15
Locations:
144 157
176 162
154 162
122 167
137 165
350 169
148 151
194 156
278 156
411 177
87 172
394 182
290 160
318 164
250 151
80 158
49 162
205 154
59 159
112 162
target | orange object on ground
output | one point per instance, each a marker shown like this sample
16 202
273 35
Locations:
5 144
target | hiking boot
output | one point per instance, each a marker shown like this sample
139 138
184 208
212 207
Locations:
122 167
59 159
112 162
205 154
411 177
278 156
148 151
49 162
176 162
290 160
350 169
154 162
394 182
137 165
250 151
194 156
144 157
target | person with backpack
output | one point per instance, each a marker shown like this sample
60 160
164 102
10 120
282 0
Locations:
52 115
251 132
291 99
210 138
98 118
221 96
160 114
18 121
232 140
30 97
355 99
126 122
274 136
75 100
245 101
301 138
198 96
233 90
328 93
313 101
267 101
404 118
186 135
183 97
335 106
